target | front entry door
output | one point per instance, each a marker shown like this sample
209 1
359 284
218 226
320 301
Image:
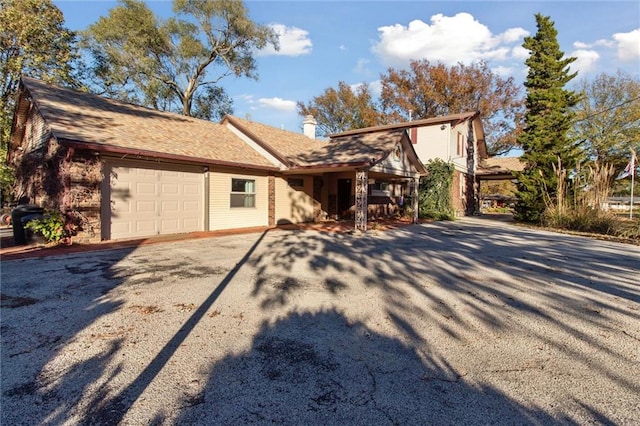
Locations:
344 198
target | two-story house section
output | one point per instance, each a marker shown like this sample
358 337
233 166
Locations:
458 139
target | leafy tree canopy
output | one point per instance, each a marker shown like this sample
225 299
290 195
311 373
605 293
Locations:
429 90
175 64
607 118
343 109
33 42
424 91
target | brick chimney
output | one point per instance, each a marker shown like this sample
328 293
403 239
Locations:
309 126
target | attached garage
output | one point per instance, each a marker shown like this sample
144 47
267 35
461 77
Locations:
144 201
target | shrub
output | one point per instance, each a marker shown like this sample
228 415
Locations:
50 226
582 219
435 191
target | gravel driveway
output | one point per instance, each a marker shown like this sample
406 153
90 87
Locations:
466 322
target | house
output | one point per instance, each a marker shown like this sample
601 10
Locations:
455 138
117 170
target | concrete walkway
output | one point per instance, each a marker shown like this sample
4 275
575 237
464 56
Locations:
466 322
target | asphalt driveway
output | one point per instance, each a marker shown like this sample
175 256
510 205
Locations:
467 322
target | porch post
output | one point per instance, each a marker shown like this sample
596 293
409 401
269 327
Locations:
414 198
362 186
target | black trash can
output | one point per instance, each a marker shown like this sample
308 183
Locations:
19 217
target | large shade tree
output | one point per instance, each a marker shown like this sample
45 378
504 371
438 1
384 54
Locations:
547 121
33 42
607 118
343 109
424 91
175 64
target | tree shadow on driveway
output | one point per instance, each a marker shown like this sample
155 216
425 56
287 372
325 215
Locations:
319 368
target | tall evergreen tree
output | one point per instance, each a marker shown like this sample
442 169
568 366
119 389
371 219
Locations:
548 118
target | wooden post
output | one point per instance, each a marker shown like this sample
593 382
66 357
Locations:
414 198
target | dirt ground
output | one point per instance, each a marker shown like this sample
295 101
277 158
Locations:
465 322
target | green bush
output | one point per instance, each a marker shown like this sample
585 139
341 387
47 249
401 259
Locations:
50 226
435 191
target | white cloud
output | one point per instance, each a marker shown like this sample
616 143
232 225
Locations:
503 71
343 47
605 43
278 103
513 35
362 67
628 45
375 87
581 45
294 41
459 38
586 60
246 98
520 52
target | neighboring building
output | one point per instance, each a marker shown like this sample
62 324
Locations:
620 204
117 170
499 169
456 138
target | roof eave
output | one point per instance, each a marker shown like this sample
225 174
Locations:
111 149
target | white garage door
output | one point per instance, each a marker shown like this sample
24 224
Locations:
147 202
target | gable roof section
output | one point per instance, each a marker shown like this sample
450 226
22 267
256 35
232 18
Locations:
356 150
283 144
298 151
93 122
453 119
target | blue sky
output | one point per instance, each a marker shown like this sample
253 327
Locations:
324 42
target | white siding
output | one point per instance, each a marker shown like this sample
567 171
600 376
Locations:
433 143
223 216
294 205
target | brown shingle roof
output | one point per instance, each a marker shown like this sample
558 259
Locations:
284 144
298 151
366 148
84 118
500 165
452 118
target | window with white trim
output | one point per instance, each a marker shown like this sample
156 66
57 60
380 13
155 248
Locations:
243 193
462 145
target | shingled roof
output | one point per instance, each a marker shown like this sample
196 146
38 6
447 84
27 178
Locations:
299 151
352 150
453 119
93 122
84 119
499 166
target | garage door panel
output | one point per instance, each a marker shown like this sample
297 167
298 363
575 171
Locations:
170 206
170 188
191 189
169 226
146 202
191 206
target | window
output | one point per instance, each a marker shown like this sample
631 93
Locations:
380 189
243 193
299 182
462 145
